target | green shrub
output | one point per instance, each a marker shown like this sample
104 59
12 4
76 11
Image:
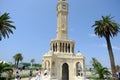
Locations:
96 78
2 78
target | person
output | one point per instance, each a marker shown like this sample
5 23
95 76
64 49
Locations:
17 77
10 73
38 76
119 75
30 75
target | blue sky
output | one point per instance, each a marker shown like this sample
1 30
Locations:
36 22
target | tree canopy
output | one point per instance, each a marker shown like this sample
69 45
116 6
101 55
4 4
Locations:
6 26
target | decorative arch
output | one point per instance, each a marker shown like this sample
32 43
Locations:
79 69
65 71
47 64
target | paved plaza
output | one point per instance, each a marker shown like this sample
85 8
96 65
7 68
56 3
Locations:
33 79
34 72
41 79
28 78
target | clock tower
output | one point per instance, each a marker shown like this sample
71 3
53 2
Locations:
62 19
60 61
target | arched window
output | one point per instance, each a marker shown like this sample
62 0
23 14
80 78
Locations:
79 69
47 65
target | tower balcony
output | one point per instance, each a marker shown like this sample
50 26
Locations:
62 46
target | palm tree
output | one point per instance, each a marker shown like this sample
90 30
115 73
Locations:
18 57
32 61
99 69
5 26
107 28
4 67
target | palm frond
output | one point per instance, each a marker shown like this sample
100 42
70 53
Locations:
6 26
106 27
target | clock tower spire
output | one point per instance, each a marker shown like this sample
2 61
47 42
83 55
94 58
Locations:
62 44
62 19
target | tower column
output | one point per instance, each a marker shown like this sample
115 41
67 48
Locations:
64 47
70 48
58 47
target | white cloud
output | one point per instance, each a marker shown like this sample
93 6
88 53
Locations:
113 47
104 45
92 35
116 48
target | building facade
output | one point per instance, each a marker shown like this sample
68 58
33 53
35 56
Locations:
60 61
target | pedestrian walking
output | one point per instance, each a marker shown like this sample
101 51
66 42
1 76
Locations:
30 75
38 76
17 76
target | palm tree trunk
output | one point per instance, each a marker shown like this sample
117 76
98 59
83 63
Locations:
17 63
101 76
111 57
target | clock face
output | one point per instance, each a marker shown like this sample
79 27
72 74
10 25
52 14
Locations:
64 6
